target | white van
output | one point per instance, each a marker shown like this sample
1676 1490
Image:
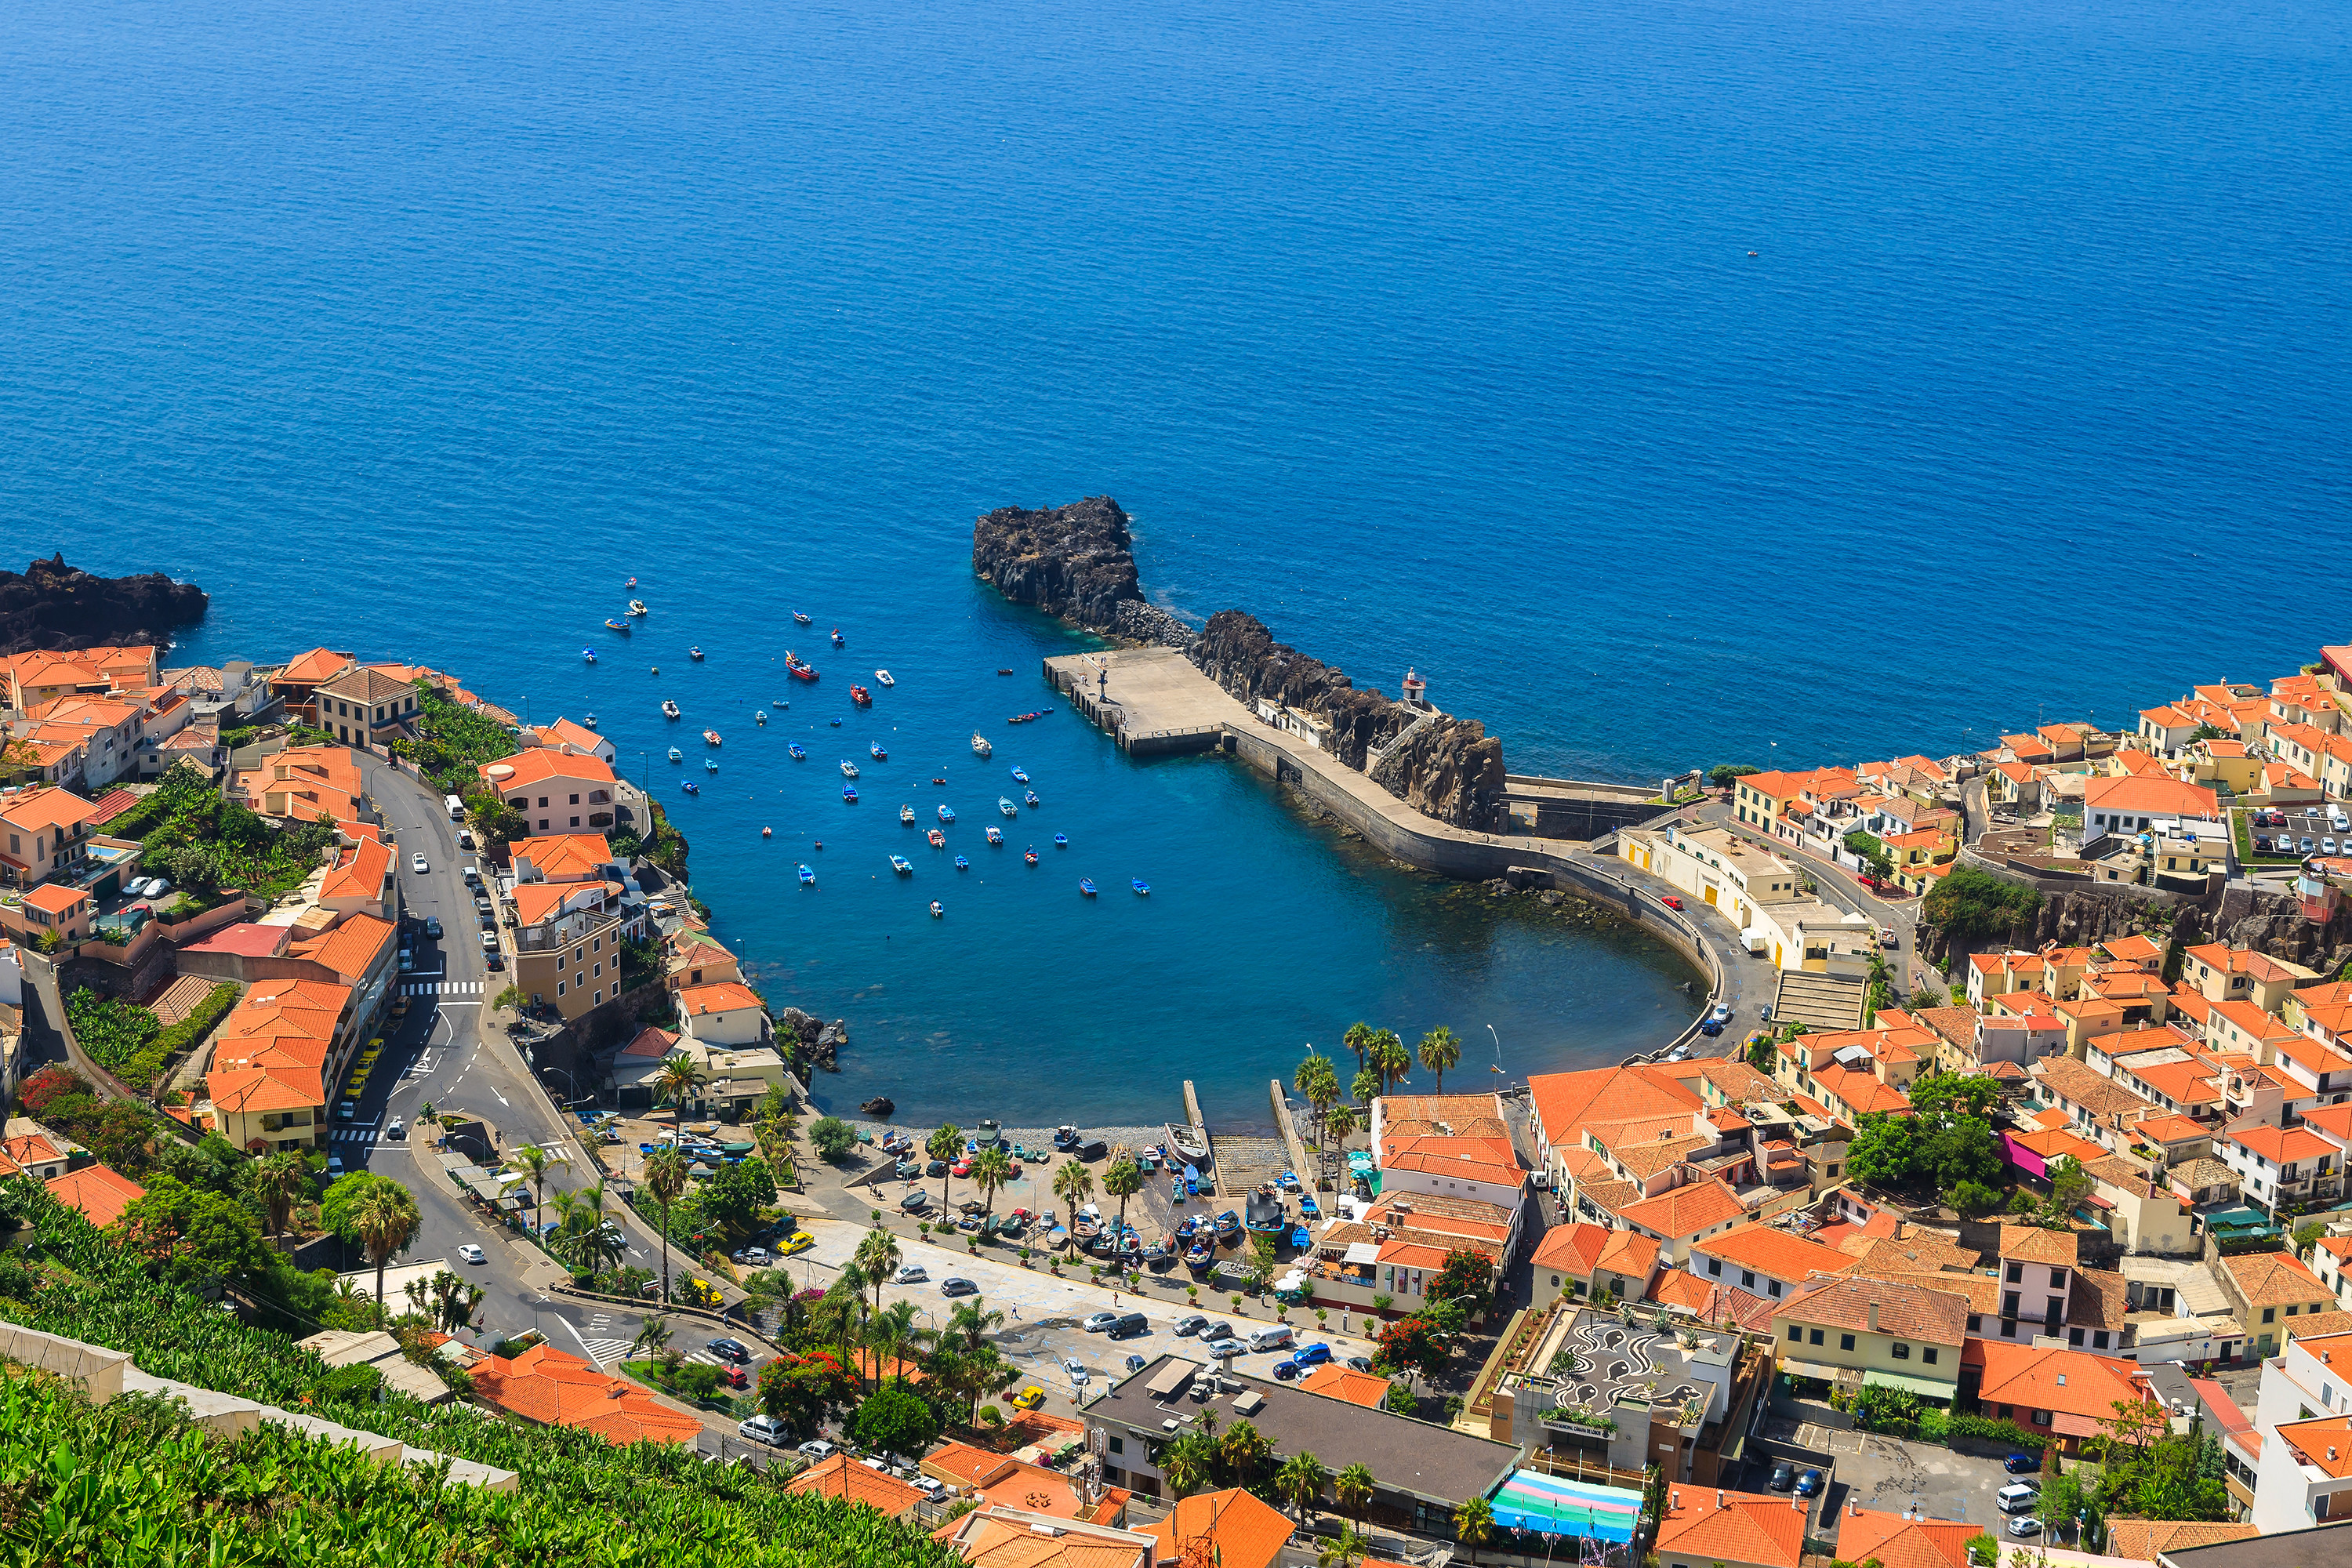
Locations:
1277 1338
457 807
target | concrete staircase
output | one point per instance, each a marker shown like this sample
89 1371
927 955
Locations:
1819 1001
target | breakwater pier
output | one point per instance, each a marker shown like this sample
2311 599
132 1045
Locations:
1154 702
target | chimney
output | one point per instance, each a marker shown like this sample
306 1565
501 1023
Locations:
1719 1498
1679 1499
1854 1505
1873 1316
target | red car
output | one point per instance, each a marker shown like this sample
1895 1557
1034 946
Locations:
1671 901
961 1168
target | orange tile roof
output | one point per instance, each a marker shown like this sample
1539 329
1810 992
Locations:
2180 1128
1686 1211
2144 1540
99 1192
2153 796
2282 1144
843 1477
721 997
2275 1280
1629 1253
1750 1527
2070 1383
528 769
2035 1244
37 810
1466 1159
1904 1312
351 948
565 856
1242 1531
1005 1538
1770 1250
1335 1380
358 872
262 1088
1572 1249
556 1389
310 668
1567 1101
1898 1541
50 898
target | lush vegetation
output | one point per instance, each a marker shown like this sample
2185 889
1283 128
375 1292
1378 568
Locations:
452 742
275 1498
205 841
1947 1141
1866 848
1723 774
130 1042
1968 905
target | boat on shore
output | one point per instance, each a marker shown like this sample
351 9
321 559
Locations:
900 864
1086 887
676 755
996 836
980 744
614 623
797 669
886 677
636 607
877 752
1188 1143
808 878
906 815
799 752
711 738
989 1132
669 708
848 769
938 840
947 813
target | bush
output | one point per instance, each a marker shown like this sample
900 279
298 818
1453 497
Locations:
1985 1429
833 1139
47 1087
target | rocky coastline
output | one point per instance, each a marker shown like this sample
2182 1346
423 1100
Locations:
1077 562
53 606
810 1041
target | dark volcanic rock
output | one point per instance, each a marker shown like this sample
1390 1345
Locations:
1077 562
1449 769
54 605
810 1040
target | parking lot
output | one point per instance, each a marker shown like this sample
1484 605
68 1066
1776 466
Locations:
2315 823
1884 1473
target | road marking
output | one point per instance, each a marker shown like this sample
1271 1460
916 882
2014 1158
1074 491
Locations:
502 1099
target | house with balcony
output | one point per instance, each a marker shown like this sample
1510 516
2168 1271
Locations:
2268 1291
2064 1395
294 682
2037 1274
275 1057
1842 1330
51 915
2277 1167
557 790
724 1013
303 783
692 956
562 857
2094 1106
43 832
568 943
2127 806
1585 1261
362 707
2220 972
2302 1438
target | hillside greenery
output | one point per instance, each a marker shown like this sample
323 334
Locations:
130 1042
452 742
203 841
140 1487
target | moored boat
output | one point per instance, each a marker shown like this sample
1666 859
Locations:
1142 888
980 744
1006 806
862 696
1200 1255
996 836
800 618
636 607
669 707
799 752
886 677
837 637
938 840
1030 855
935 910
961 864
691 788
1086 887
712 763
1019 776
1031 798
589 718
798 670
695 653
589 654
711 738
808 878
989 1132
1061 841
676 755
877 752
1026 718
849 792
615 625
900 864
848 769
760 717
906 815
947 813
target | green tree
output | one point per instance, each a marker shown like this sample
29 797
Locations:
1358 1039
878 1254
992 1172
1762 1055
1473 1522
283 1182
1190 1464
1389 1057
1354 1487
1244 1451
1074 1185
833 1139
1318 1082
664 1182
945 1143
1950 1094
737 1195
1968 905
1440 1051
386 1220
1466 1272
1406 1344
1400 1400
681 1079
894 1420
1866 848
1366 1088
189 1235
1722 774
1300 1481
1974 1200
1885 1150
531 1165
1122 1180
2069 1185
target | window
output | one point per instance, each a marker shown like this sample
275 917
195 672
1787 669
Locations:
1774 1285
1119 1445
1817 1336
2075 1337
2041 1418
2016 1270
1927 1356
575 797
1796 1334
558 988
1747 1277
542 805
1902 1351
1715 1267
2058 1279
2270 1314
1845 1341
1976 1321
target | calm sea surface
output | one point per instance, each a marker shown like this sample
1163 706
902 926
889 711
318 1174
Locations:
1670 383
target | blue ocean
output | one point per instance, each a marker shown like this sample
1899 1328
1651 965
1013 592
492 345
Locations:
1670 383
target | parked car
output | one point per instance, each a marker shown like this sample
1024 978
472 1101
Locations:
1710 1028
2023 1497
1218 1350
754 1257
417 864
1029 1398
764 1429
1136 1363
800 1241
1784 1477
334 1166
1808 1484
157 887
935 1169
1671 901
2261 843
1095 1322
490 941
433 927
1719 1013
470 1253
1359 1363
816 1448
1076 1368
2021 1464
1311 1356
1191 1323
1129 1325
910 1273
2025 1526
495 962
957 1286
730 1350
1215 1332
1279 1337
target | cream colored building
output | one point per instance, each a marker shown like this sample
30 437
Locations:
1848 1330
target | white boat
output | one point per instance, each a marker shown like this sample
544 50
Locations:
849 769
996 836
669 707
636 607
1007 807
676 755
980 744
906 815
884 677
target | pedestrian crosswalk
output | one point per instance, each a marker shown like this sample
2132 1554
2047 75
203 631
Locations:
357 1134
604 1353
442 987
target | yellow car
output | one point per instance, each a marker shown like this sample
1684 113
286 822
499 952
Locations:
801 1242
703 1291
1030 1398
357 1080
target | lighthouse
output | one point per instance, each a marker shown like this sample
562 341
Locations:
1416 690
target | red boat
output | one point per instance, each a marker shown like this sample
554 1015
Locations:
796 669
862 696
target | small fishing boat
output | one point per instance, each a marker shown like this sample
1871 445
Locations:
947 813
616 624
848 769
676 755
938 840
900 864
799 752
1030 797
879 755
862 696
1006 806
636 607
691 788
1200 1255
1086 887
589 718
939 780
630 583
1061 841
836 723
712 763
885 676
808 878
1229 1224
1030 855
935 910
767 833
669 707
1185 1227
849 792
1142 888
906 815
996 836
589 654
837 637
1019 776
799 618
989 1132
711 738
1026 718
796 669
1188 1144
961 864
980 744
695 653
760 717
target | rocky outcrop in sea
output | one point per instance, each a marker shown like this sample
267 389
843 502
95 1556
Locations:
51 605
809 1041
1077 562
1443 767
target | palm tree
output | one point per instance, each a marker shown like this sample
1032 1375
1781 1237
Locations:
1318 1082
1122 1180
1074 1185
991 1171
878 1254
1342 1122
1358 1039
1367 1085
678 1078
282 1183
1390 1058
892 1336
652 1335
532 1163
1473 1522
944 1143
775 1148
387 1220
1245 1448
971 1322
1440 1051
1300 1482
1349 1549
665 1184
1354 1486
1190 1464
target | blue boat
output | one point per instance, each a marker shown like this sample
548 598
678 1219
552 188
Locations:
1019 776
1229 1224
1200 1255
589 654
1142 887
691 788
798 752
849 792
616 626
1061 841
836 723
961 864
808 878
1086 887
1032 798
877 752
900 864
946 816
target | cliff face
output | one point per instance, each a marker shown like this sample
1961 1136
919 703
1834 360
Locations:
53 606
1449 769
1077 562
2264 922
